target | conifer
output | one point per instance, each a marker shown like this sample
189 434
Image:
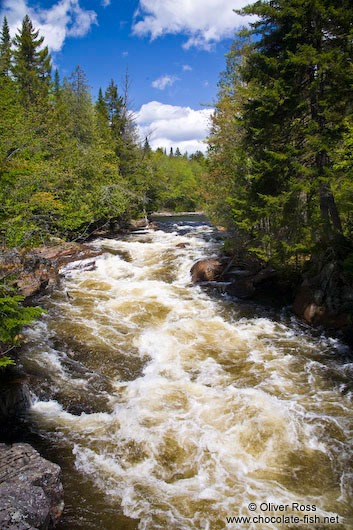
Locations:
5 49
32 63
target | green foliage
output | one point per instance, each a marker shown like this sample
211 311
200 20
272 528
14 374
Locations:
13 316
5 49
6 361
279 131
68 165
31 67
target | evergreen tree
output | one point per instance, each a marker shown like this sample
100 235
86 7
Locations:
5 49
56 85
32 65
115 107
171 154
301 66
146 148
177 152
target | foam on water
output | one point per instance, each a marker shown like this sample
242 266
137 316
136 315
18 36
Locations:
224 410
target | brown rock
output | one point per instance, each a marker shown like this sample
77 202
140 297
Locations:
206 270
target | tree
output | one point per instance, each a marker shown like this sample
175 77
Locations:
56 86
32 65
301 65
279 122
147 148
5 49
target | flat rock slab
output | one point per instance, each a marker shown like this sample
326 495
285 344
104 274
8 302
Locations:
30 489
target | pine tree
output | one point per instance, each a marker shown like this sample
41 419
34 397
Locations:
147 148
115 107
177 152
5 49
32 65
301 66
77 98
56 85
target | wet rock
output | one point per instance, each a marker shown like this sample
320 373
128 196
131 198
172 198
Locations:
14 398
206 270
325 297
241 288
154 226
30 489
35 269
135 224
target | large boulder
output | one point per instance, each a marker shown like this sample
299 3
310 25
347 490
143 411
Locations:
30 489
206 270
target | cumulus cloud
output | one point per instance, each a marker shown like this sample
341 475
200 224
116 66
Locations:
64 19
172 126
187 68
164 81
205 22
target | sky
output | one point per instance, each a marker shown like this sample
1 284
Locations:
173 51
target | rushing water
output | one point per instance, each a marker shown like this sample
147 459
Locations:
170 407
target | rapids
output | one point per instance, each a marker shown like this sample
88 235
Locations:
170 407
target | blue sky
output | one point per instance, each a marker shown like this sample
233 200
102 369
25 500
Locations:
174 52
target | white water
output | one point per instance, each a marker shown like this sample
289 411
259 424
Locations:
214 407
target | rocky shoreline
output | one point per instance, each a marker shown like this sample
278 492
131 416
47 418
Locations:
322 297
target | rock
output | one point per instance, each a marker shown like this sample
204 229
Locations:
135 224
35 269
30 489
154 226
206 270
181 245
14 398
241 288
325 297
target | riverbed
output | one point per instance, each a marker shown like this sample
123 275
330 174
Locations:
169 406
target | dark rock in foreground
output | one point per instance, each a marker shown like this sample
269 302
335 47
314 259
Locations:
325 297
30 489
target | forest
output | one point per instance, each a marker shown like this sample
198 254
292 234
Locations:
69 165
280 146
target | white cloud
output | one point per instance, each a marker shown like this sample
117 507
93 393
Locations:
105 3
172 126
205 22
165 80
187 68
64 19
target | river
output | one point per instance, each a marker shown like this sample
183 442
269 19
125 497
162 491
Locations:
172 407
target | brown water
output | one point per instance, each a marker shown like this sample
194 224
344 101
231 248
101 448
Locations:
169 407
